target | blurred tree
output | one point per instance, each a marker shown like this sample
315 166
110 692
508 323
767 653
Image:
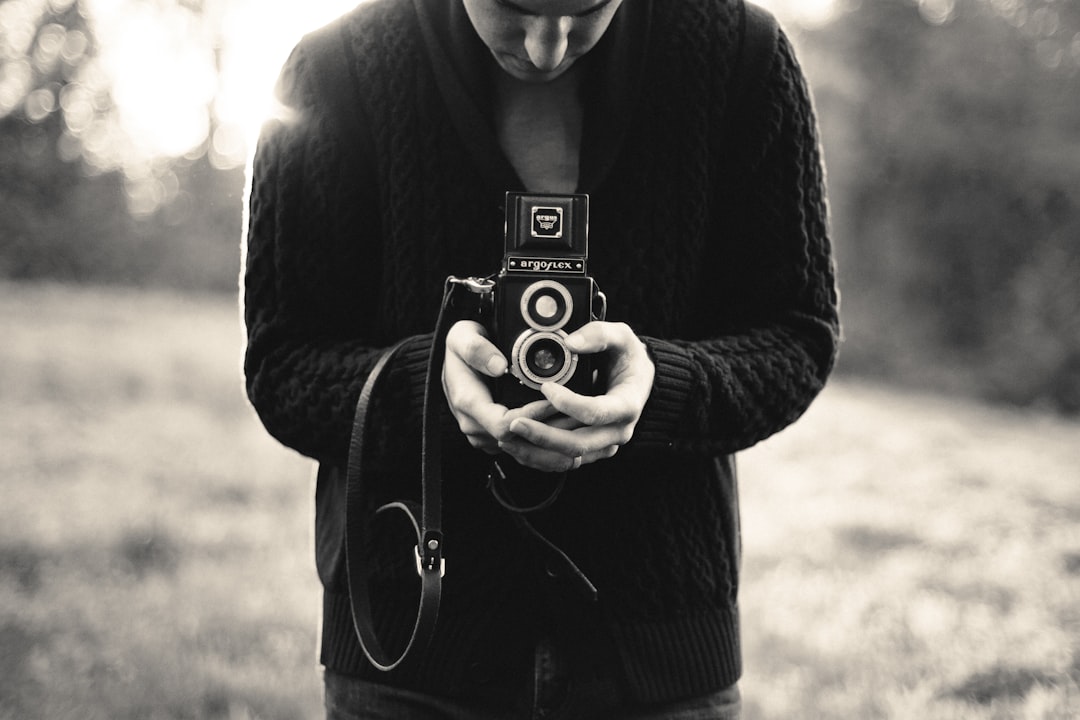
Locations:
958 165
79 199
43 192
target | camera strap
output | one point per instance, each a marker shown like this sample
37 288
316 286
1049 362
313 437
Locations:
426 519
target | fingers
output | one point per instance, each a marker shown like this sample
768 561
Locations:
618 405
467 393
538 458
483 421
468 341
565 430
564 443
469 353
597 337
592 428
570 443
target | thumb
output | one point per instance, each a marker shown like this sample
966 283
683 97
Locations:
593 337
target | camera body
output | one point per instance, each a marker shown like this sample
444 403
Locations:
542 294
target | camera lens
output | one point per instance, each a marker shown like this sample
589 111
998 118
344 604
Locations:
546 305
545 358
542 356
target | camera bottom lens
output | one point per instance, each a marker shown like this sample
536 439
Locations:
542 356
543 361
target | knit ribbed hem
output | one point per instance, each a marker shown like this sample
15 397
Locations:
665 412
683 657
340 650
413 360
426 668
662 661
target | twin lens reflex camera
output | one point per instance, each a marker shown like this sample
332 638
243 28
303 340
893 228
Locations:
542 294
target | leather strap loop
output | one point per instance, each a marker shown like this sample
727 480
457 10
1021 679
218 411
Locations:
428 526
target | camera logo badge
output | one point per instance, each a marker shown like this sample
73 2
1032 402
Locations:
546 265
547 222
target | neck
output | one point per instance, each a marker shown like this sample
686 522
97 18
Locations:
539 129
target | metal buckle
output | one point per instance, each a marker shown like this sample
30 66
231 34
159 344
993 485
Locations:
434 556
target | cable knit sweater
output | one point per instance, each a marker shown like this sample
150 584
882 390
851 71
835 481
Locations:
708 235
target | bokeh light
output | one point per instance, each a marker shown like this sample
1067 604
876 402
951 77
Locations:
937 12
163 80
186 81
808 13
182 77
150 82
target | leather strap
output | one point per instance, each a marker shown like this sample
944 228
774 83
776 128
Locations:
428 528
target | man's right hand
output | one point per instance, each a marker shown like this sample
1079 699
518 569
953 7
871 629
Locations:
471 358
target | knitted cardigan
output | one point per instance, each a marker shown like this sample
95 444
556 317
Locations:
708 234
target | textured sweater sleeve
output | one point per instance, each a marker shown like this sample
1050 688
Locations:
761 367
311 274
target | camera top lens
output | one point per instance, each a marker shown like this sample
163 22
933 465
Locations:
546 305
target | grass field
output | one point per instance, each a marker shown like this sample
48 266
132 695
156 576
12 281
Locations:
905 556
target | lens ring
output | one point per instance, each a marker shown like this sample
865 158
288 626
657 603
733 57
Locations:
556 292
519 365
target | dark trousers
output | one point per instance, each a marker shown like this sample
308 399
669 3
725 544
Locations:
559 688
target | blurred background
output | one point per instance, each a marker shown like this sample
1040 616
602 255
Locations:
154 543
951 130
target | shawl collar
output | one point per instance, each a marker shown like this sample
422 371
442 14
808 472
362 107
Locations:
463 66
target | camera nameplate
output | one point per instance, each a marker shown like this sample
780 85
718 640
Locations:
545 265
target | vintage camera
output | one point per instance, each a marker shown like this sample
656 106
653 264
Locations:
542 294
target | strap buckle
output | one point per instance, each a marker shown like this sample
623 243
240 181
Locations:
432 556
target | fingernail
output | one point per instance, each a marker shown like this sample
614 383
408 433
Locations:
575 343
496 365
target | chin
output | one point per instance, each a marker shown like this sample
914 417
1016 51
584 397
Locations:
515 68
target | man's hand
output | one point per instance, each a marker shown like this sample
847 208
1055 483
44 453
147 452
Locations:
587 429
469 357
564 431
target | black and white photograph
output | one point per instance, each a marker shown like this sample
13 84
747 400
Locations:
540 360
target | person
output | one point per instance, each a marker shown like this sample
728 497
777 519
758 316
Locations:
406 123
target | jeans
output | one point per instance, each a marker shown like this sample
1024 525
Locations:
551 693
